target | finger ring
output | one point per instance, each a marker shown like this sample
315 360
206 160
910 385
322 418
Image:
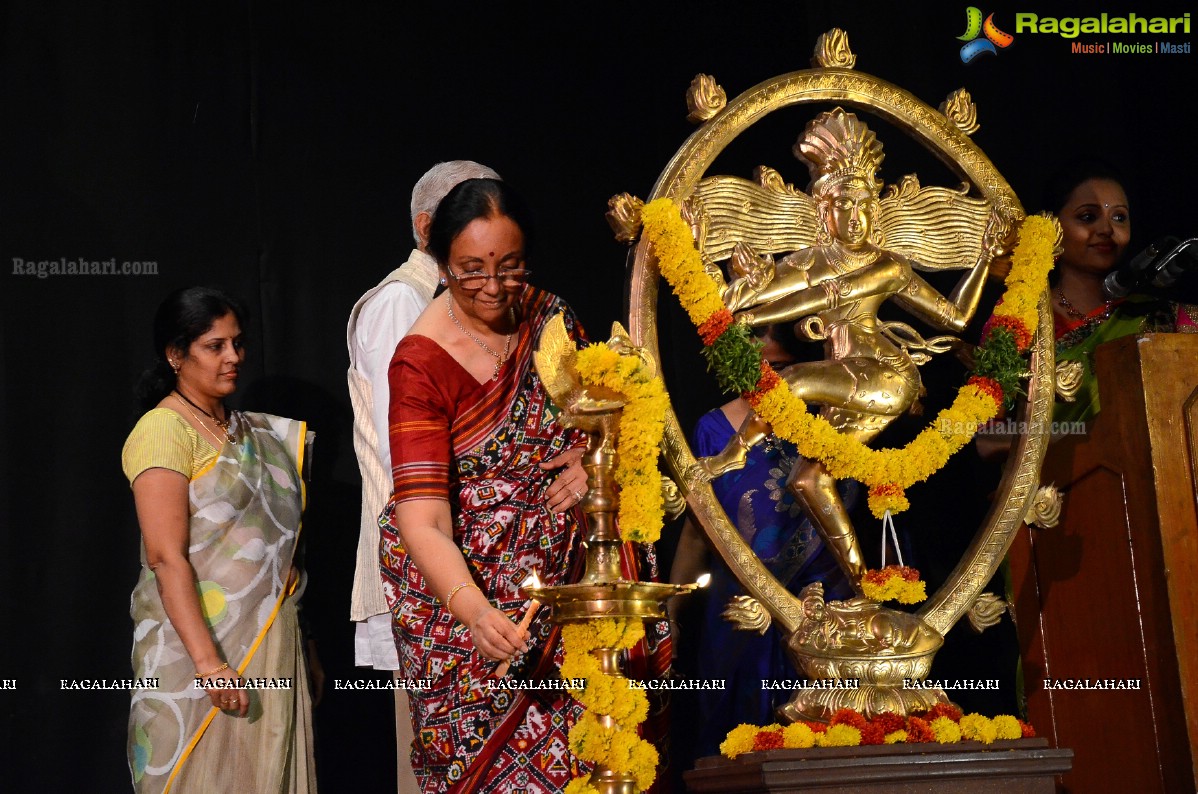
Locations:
578 496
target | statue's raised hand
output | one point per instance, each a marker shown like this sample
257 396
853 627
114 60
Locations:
758 271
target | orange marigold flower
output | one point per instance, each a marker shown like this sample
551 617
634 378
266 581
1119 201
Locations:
886 489
879 576
1028 731
848 717
769 379
989 386
767 740
919 732
889 722
715 325
817 727
944 710
1016 327
872 733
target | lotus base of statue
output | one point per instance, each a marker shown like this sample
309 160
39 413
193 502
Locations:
861 656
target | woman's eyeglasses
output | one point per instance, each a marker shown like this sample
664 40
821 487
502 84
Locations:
476 281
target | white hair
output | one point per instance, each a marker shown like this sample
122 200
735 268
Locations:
439 180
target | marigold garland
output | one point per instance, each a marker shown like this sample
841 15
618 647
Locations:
619 747
640 516
894 583
888 472
642 424
943 724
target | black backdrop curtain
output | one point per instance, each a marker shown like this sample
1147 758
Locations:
270 149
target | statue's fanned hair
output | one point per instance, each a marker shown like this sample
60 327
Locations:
837 147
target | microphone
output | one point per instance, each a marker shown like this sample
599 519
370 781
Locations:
1174 264
1148 265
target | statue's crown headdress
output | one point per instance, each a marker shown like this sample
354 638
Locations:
836 147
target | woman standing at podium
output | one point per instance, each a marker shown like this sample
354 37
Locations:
1089 198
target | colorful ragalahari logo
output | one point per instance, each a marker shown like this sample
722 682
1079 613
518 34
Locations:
974 46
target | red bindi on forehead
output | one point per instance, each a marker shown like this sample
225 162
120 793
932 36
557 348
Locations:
491 254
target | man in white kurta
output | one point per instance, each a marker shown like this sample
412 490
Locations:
378 321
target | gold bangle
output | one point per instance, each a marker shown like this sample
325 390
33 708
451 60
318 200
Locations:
454 591
224 666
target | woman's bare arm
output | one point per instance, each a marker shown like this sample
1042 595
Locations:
161 498
426 528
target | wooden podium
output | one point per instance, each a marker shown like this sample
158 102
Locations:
1111 593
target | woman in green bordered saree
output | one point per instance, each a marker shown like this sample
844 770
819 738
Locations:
1089 198
223 702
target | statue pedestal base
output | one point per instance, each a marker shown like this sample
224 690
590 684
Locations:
1022 766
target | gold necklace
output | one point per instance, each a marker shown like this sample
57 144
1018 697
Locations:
499 357
223 425
844 261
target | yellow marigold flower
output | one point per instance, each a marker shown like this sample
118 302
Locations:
608 631
896 737
879 592
580 785
838 736
589 739
634 706
623 744
578 664
644 764
978 728
1007 727
945 730
797 736
913 592
881 504
739 740
580 636
599 695
634 632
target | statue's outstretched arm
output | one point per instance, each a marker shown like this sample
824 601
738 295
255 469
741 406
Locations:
759 280
955 312
884 278
952 313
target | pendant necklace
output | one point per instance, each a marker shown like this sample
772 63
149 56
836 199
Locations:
500 358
